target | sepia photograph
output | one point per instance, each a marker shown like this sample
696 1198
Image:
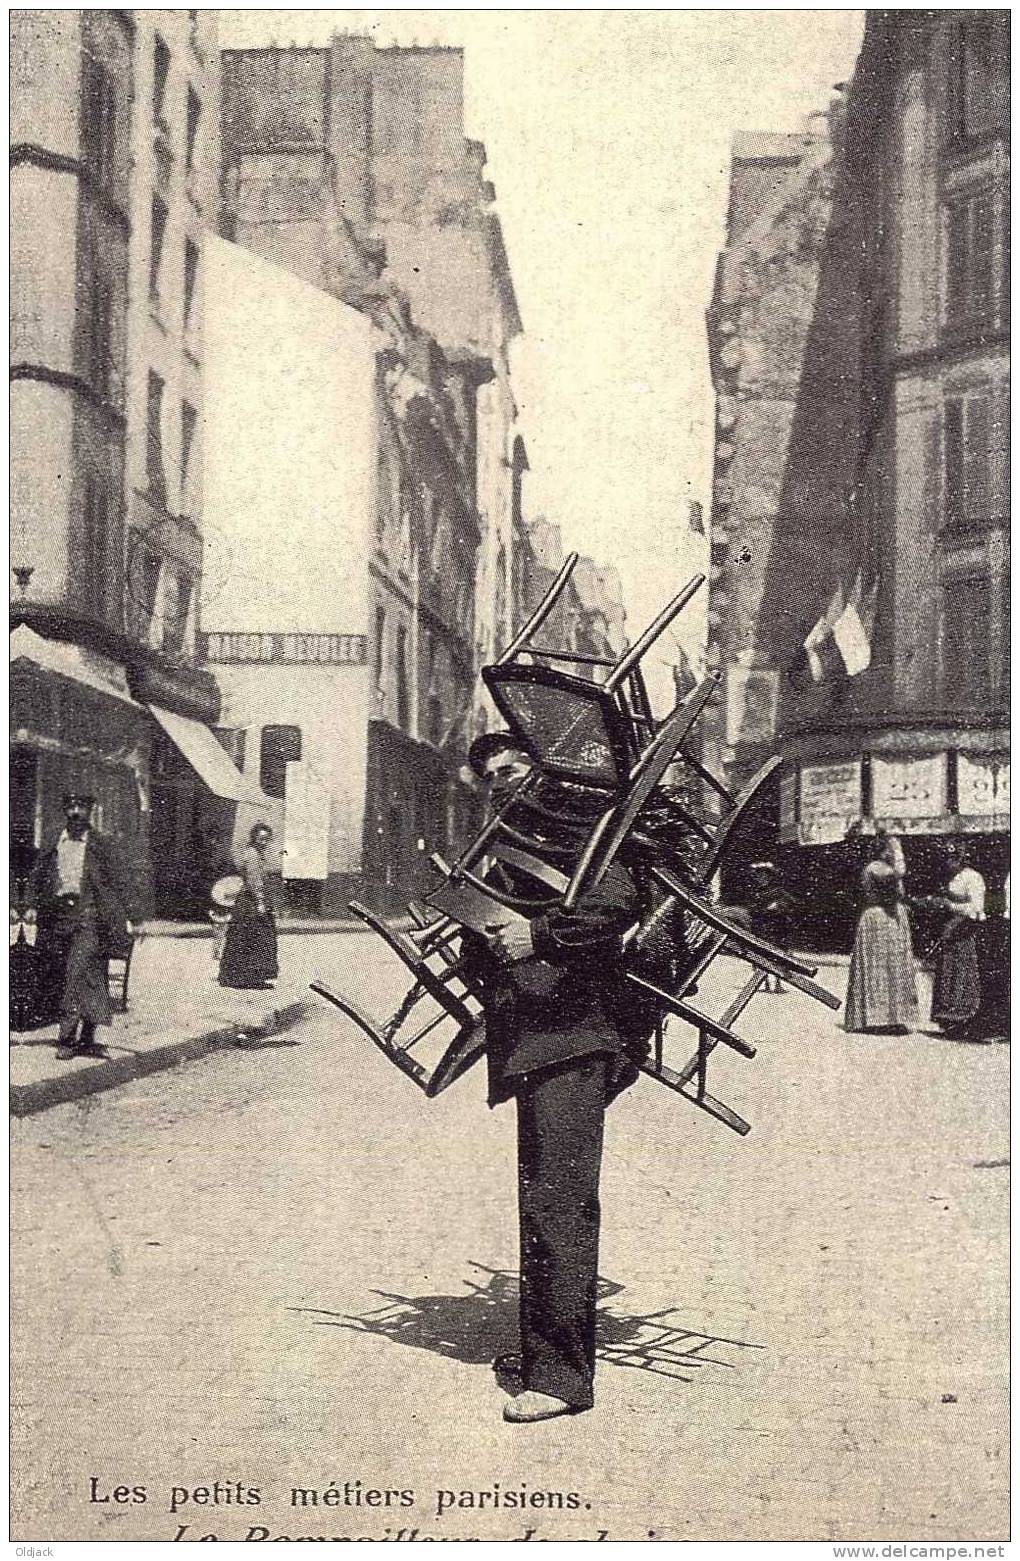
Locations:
509 777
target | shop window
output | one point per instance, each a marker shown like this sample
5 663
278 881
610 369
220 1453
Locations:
970 246
965 662
158 234
99 123
160 75
194 118
154 437
281 745
968 460
190 278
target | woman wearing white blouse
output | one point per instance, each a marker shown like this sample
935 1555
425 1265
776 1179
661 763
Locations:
956 996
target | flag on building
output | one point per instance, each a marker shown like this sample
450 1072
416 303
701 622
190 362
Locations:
839 644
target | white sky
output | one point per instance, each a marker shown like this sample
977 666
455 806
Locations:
608 134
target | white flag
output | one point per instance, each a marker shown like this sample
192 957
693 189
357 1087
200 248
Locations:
853 629
817 637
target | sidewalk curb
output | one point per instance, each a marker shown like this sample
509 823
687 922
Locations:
197 929
27 1099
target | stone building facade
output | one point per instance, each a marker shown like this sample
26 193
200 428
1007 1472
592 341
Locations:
88 681
891 492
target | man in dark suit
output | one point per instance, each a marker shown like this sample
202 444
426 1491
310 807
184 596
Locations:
80 894
558 1042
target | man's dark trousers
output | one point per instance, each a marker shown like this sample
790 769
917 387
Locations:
560 1120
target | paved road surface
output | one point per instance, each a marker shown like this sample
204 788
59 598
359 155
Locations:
284 1268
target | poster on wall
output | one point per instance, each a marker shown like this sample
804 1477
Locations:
752 697
830 801
912 788
982 785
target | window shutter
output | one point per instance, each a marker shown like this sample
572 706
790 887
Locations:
956 262
981 267
953 443
977 459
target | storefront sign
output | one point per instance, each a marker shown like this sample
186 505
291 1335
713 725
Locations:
982 784
830 801
908 788
331 650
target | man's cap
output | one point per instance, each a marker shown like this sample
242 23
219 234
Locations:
483 748
71 798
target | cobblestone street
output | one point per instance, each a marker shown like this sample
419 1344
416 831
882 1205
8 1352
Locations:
804 1332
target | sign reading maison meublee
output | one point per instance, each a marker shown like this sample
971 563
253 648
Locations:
284 649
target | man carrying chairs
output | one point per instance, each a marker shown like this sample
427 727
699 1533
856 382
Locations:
557 1043
566 935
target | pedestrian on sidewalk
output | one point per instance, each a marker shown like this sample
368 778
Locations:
557 1044
882 988
956 992
249 951
81 895
771 910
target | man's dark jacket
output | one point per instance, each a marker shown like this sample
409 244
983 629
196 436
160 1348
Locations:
570 1000
104 888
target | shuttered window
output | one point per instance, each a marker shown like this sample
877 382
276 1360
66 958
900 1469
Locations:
966 674
970 249
968 453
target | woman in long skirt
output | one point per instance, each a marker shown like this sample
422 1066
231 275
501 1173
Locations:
882 989
956 993
249 950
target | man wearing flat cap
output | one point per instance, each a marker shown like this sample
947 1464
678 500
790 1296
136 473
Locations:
80 893
560 1041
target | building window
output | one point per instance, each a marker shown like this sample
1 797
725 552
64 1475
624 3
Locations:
403 702
99 123
160 73
189 422
194 115
435 720
144 570
968 460
190 278
380 644
95 544
969 252
100 333
966 673
159 219
281 745
154 437
976 87
177 606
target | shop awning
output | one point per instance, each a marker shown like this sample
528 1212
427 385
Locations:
73 662
209 760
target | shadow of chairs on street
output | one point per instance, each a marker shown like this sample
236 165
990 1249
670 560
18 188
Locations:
481 1324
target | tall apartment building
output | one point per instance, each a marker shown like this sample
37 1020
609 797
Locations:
350 166
892 492
107 195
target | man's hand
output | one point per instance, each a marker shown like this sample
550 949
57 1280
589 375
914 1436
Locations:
511 940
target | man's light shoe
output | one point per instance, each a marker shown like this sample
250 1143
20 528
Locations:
535 1406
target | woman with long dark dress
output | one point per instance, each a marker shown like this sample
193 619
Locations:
249 950
882 989
956 994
